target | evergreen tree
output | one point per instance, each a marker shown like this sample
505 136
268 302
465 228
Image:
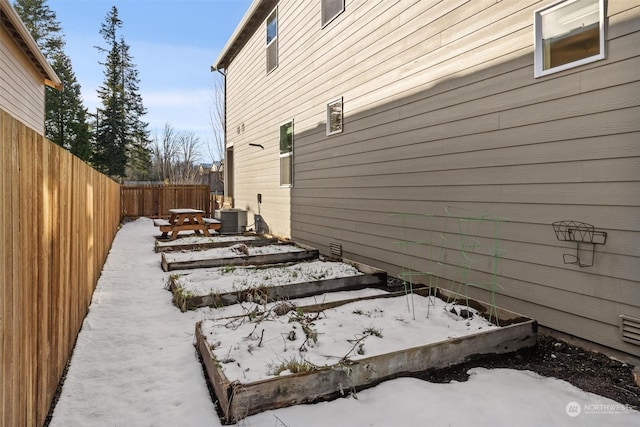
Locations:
138 151
122 138
65 115
109 152
66 121
43 25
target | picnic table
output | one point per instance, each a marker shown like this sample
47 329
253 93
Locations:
186 219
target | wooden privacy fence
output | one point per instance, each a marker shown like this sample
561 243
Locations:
59 217
154 201
220 201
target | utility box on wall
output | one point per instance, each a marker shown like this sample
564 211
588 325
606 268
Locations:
233 220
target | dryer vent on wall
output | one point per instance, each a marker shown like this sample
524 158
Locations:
335 249
630 329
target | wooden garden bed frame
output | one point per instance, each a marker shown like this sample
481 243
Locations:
307 253
239 400
370 278
175 245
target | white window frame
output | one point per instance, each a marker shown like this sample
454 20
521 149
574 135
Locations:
274 40
329 20
287 154
329 105
539 70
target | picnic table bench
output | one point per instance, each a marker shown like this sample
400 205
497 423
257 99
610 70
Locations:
184 220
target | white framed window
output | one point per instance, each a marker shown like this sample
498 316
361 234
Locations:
272 40
568 33
331 9
286 154
334 116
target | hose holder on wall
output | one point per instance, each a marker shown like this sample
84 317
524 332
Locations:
580 233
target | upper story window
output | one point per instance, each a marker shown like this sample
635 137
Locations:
331 9
568 33
272 40
334 117
286 154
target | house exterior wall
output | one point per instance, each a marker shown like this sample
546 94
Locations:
22 93
441 109
253 117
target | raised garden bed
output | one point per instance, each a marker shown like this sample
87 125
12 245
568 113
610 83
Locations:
281 355
219 241
239 254
215 287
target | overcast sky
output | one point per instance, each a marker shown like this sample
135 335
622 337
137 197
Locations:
173 44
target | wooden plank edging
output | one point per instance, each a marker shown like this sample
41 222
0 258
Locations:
307 253
240 400
212 245
370 278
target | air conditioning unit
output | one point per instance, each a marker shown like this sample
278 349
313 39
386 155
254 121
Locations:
233 221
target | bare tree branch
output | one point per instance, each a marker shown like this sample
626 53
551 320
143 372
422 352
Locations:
176 157
217 119
163 153
187 168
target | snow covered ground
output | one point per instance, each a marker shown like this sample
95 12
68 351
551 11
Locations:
192 239
229 252
254 349
135 365
204 281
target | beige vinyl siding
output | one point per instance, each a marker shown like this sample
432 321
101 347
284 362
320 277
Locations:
441 108
252 101
22 92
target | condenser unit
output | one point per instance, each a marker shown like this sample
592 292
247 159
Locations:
233 220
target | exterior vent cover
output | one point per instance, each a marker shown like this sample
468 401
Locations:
335 249
630 329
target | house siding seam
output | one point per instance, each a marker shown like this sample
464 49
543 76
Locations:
441 108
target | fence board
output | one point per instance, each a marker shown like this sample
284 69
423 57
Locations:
59 217
220 201
154 201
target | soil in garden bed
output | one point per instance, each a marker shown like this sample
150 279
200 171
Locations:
590 371
253 347
587 370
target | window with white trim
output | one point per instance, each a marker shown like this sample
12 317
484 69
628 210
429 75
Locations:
568 33
334 116
272 40
331 9
286 154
